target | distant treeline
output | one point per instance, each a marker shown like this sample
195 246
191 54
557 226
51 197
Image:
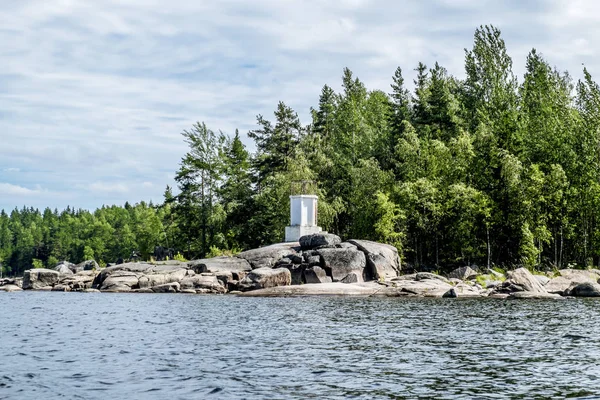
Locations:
485 170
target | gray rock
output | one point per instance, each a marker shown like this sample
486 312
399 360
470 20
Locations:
569 278
171 287
423 288
501 296
409 277
220 264
319 289
464 290
158 276
267 257
7 281
450 294
148 275
79 281
297 272
542 279
339 263
209 283
521 280
383 261
313 260
224 277
580 276
91 291
40 278
585 289
65 268
10 288
428 275
463 273
319 240
283 262
316 274
353 277
59 287
559 285
296 259
89 265
261 278
496 274
533 295
492 284
120 281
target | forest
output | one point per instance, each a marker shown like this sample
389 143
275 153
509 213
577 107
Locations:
486 170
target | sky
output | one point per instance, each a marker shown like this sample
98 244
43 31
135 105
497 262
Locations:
94 95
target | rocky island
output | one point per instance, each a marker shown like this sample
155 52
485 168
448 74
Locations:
319 264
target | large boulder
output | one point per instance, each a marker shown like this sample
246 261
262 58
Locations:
383 261
347 265
40 278
533 295
297 272
121 281
542 279
204 282
10 288
422 288
558 285
172 287
316 275
521 280
89 265
147 275
464 290
65 268
79 281
419 276
319 240
463 273
319 289
261 278
585 289
267 257
569 278
239 267
580 275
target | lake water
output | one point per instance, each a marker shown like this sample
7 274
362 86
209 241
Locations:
150 346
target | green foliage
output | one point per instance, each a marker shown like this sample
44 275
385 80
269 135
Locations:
180 257
216 252
88 253
36 263
52 262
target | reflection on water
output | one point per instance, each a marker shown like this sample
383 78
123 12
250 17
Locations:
138 346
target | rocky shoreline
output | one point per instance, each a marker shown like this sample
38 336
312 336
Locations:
317 265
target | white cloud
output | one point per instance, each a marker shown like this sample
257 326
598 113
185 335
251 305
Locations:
108 187
12 169
99 91
8 189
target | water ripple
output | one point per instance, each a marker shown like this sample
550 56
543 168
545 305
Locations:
156 346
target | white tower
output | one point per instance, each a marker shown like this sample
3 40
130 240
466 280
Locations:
303 217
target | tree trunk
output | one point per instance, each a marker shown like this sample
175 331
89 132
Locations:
489 249
561 248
